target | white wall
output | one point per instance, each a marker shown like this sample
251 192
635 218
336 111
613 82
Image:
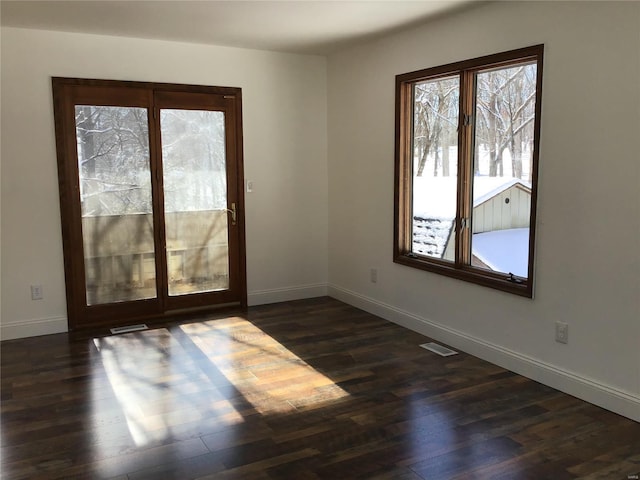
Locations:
588 243
285 142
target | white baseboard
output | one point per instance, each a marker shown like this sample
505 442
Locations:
262 297
46 326
33 328
605 396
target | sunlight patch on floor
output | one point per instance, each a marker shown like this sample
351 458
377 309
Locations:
267 374
227 368
158 386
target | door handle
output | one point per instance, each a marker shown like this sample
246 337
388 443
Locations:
233 213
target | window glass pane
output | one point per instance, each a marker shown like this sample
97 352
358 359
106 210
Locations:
115 195
504 137
435 167
195 200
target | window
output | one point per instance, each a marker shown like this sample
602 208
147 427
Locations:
467 143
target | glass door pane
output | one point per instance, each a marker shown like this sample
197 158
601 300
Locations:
116 206
195 200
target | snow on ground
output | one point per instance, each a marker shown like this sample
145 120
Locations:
503 250
435 197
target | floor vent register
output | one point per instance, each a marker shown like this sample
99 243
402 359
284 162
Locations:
439 349
129 328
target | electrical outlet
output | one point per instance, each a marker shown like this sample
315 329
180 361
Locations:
36 292
562 332
374 275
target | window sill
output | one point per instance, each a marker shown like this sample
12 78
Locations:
497 281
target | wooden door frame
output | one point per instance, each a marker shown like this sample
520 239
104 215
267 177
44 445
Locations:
80 315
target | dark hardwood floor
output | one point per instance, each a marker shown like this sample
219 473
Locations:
299 390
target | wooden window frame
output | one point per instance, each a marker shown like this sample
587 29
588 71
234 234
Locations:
461 267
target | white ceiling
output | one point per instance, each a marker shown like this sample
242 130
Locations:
302 26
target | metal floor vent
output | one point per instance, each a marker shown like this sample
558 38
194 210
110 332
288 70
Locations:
439 349
129 328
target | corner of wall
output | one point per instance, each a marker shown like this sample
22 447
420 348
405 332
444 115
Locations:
275 295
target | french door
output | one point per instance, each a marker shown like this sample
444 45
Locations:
151 198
